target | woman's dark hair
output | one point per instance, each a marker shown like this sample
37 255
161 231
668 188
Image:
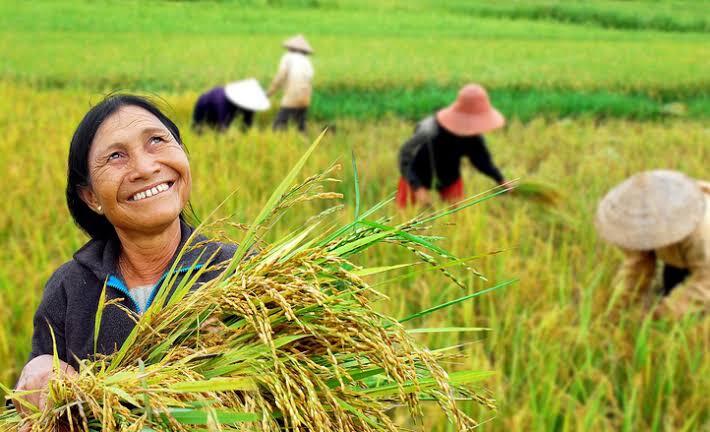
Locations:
96 225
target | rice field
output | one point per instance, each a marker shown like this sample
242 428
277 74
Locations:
568 354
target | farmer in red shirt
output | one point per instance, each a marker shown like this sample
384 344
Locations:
432 157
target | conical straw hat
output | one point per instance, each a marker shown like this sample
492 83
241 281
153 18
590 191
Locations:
247 94
651 210
298 43
471 113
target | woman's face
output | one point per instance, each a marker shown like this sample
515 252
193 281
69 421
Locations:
139 174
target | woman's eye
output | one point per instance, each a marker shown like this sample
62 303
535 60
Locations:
157 140
114 156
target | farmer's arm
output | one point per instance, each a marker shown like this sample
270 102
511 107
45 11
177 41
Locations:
481 159
50 313
280 77
38 370
407 154
693 295
637 272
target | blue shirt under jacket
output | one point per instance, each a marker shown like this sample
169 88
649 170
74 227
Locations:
71 297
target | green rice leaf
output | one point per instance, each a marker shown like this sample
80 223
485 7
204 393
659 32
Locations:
447 330
377 270
410 237
99 315
457 301
468 202
349 227
349 248
358 376
123 395
355 411
357 186
56 366
201 417
188 279
146 398
270 205
215 385
455 378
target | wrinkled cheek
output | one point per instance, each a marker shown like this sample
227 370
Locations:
107 190
186 187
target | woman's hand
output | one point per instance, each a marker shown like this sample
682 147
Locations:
508 186
35 376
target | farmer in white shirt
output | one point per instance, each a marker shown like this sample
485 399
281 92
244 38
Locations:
295 75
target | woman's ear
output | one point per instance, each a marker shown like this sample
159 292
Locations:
87 195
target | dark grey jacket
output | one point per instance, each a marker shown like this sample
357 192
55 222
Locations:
71 298
431 158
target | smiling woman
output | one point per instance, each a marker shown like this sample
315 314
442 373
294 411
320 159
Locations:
116 142
128 184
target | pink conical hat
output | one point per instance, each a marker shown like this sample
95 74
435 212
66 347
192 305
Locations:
471 113
298 43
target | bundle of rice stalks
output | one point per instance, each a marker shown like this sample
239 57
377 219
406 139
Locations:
545 193
284 339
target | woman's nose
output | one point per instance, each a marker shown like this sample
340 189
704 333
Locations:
144 166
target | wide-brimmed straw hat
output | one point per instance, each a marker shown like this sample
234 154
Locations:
651 210
247 94
298 43
471 113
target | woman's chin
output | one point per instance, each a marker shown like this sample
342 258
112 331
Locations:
155 222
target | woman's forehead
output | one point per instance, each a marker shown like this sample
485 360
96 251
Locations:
128 121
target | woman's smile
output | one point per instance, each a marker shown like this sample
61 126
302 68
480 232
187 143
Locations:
151 191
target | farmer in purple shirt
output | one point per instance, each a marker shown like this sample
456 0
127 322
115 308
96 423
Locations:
218 107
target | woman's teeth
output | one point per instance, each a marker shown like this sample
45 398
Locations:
150 192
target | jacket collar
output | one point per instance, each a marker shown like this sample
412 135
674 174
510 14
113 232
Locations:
101 256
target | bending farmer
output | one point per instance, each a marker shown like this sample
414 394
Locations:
432 157
662 216
218 107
